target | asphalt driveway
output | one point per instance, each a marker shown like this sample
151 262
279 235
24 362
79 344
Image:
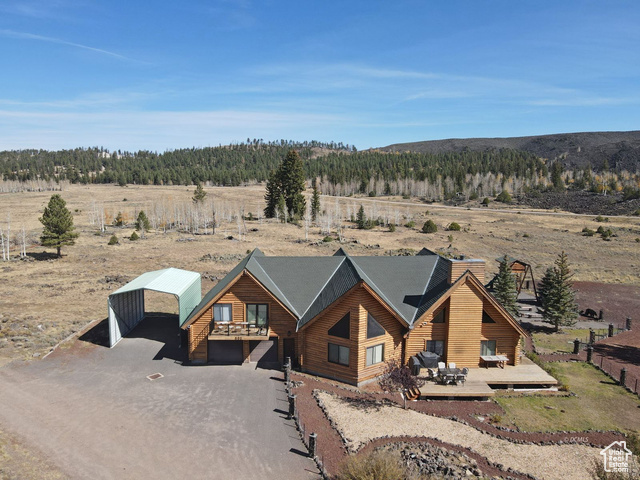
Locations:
93 413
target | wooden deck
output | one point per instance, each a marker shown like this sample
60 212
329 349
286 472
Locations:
479 379
241 333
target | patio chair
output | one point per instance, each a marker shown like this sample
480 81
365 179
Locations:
449 378
465 371
460 378
442 365
452 365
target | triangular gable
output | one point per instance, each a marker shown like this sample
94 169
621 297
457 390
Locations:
485 294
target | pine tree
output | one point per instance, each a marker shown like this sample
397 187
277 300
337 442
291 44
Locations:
429 227
292 180
58 225
315 202
558 297
199 193
361 218
281 209
272 195
142 222
504 287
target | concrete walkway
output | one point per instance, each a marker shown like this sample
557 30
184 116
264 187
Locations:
93 413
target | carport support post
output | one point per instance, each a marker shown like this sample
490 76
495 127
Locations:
312 444
592 336
292 406
623 377
576 346
589 353
611 330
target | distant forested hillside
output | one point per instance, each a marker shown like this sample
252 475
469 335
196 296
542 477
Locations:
458 173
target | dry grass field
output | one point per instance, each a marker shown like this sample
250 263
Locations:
46 299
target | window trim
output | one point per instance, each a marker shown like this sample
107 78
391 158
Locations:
257 305
372 349
339 348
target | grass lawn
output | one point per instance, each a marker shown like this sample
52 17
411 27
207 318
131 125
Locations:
598 404
559 342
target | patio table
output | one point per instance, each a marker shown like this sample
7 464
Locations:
448 375
499 360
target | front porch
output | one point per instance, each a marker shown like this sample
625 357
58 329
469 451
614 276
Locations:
481 382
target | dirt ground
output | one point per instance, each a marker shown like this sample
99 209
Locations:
47 299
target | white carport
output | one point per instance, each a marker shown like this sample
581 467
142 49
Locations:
126 305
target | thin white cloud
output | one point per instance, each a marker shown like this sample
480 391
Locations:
584 101
41 38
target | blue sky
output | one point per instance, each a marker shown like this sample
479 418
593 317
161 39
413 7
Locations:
165 74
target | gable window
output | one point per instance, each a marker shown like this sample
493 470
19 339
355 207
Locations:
342 327
439 317
436 346
375 354
374 329
487 347
257 314
486 318
339 354
222 312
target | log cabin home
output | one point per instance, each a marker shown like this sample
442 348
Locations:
343 317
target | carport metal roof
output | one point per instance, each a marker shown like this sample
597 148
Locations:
126 305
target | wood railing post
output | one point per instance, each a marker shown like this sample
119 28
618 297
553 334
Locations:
576 346
592 336
610 330
623 377
589 353
292 406
312 445
601 315
628 323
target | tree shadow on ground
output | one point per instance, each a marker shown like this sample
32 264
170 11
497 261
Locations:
42 256
622 353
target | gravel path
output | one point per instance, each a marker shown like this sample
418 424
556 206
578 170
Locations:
359 425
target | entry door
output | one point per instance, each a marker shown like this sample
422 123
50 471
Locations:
289 350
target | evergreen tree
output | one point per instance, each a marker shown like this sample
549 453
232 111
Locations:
315 202
292 181
281 208
142 222
556 176
272 195
504 287
558 297
58 228
199 193
361 218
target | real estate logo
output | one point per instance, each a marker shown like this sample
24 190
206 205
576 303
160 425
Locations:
616 457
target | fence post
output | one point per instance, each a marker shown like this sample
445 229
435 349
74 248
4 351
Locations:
589 353
287 371
628 323
576 346
292 406
601 315
592 336
623 377
312 444
611 330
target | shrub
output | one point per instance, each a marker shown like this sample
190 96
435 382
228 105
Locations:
406 196
429 227
606 234
637 240
119 220
473 196
113 240
450 238
600 218
372 193
410 224
327 239
486 201
525 235
392 227
378 465
587 232
454 227
637 213
134 236
600 230
504 197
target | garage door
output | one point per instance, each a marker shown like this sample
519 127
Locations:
264 352
225 352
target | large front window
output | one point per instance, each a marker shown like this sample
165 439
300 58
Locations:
375 354
257 314
487 347
339 354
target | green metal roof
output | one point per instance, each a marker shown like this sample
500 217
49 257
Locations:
308 285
